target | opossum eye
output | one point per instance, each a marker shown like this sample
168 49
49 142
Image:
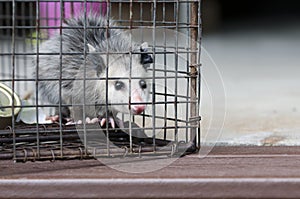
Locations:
143 84
119 85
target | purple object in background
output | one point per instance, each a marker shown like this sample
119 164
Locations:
50 12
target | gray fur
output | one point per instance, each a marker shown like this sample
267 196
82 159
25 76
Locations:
94 64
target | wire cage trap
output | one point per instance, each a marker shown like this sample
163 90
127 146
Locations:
32 128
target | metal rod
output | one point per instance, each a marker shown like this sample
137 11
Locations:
84 78
193 69
187 70
176 17
199 71
13 49
106 76
61 16
153 13
165 72
37 31
130 75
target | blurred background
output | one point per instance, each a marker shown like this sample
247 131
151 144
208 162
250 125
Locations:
255 45
251 56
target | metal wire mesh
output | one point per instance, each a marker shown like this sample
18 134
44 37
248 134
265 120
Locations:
171 123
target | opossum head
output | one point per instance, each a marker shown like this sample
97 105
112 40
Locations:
131 92
127 84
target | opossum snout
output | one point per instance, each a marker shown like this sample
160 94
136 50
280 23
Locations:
135 107
138 109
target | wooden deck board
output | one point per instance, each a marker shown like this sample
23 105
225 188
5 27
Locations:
226 172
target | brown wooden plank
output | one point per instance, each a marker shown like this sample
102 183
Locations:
227 172
152 188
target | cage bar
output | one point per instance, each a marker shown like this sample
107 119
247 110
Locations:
194 73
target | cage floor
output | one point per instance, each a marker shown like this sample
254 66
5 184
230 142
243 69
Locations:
235 172
52 142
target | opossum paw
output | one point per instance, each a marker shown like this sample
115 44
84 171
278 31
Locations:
72 122
91 121
55 119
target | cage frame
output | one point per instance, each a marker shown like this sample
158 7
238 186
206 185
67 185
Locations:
13 132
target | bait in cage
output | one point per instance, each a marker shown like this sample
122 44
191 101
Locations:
102 83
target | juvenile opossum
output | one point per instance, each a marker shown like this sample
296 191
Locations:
98 52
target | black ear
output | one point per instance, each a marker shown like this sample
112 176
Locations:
145 57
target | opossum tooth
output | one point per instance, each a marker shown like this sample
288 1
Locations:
102 122
111 120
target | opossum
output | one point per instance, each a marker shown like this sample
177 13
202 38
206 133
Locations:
113 67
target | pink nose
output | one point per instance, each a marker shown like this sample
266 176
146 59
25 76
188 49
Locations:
138 109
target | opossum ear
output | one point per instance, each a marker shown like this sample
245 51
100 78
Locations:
91 48
144 46
146 59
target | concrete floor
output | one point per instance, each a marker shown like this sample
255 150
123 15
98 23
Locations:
260 72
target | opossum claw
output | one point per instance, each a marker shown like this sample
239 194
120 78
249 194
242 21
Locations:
87 121
71 122
55 119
